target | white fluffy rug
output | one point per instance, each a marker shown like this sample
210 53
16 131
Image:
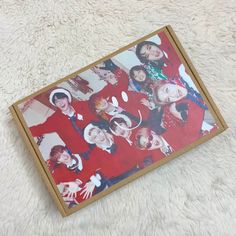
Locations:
41 41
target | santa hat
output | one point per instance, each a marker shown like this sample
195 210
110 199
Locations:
59 90
87 131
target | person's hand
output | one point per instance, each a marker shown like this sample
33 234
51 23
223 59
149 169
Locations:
87 190
100 65
165 149
145 102
132 49
110 78
174 111
71 188
97 69
109 65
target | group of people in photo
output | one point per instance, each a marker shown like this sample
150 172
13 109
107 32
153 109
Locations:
139 117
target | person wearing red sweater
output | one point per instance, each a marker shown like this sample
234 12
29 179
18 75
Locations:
157 145
115 161
115 98
67 121
183 113
161 56
77 178
121 127
110 105
114 76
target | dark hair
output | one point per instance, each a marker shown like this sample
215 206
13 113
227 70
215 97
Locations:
137 68
101 124
58 96
141 132
138 50
139 85
118 120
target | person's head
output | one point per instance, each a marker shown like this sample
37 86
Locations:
148 51
165 93
98 103
138 74
60 98
94 133
60 154
105 75
119 125
146 139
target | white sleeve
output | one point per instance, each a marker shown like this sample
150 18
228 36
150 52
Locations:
95 180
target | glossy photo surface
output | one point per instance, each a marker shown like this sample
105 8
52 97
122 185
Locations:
113 120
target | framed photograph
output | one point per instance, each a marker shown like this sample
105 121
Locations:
117 119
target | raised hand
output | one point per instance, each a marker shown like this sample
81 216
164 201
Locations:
87 190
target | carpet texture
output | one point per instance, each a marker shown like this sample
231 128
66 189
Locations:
42 41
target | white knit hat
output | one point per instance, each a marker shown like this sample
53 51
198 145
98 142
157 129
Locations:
59 90
86 133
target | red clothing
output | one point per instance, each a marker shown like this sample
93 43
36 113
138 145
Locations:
61 124
115 92
181 133
121 85
125 99
172 62
137 155
61 174
100 161
132 105
107 164
155 154
113 164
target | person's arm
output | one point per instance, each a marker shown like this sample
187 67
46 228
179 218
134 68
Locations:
194 121
123 79
170 56
88 189
150 105
48 126
180 110
71 188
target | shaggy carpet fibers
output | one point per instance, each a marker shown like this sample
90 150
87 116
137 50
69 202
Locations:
41 41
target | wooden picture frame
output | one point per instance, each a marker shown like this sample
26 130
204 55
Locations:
17 113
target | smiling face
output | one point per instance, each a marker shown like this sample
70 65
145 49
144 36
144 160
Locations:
139 75
150 141
64 158
109 77
121 130
151 52
97 136
62 103
106 75
169 93
101 104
